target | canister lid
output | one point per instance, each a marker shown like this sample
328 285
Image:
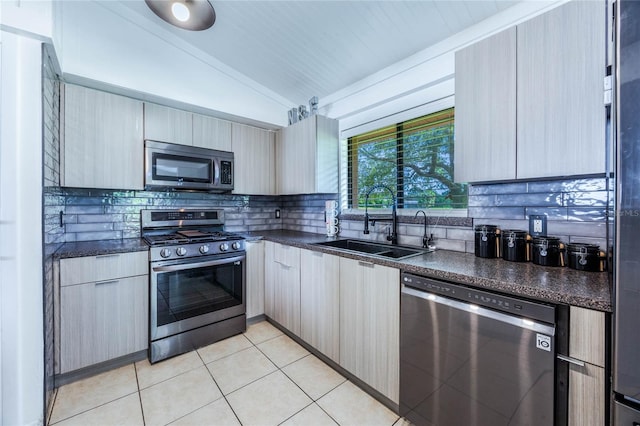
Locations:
486 228
548 241
514 233
583 248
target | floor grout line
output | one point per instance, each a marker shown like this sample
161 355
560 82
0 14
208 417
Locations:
223 396
218 386
135 368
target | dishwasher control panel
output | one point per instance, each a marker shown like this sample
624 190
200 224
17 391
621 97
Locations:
487 299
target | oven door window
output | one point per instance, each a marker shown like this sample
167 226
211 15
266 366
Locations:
177 168
189 293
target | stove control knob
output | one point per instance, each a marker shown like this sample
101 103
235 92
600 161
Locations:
204 249
235 246
181 251
165 252
224 247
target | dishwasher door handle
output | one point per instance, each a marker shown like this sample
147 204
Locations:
481 311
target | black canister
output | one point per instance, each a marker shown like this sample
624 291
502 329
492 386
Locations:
547 251
585 257
515 245
487 242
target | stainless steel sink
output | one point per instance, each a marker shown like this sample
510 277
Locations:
374 249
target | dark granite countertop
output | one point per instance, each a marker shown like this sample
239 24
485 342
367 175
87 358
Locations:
556 285
98 248
548 284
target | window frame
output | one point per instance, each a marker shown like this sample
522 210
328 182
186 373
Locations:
349 190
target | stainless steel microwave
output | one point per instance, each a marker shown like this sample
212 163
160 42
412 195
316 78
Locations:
182 167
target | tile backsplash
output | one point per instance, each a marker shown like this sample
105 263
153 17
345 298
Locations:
74 214
576 209
51 178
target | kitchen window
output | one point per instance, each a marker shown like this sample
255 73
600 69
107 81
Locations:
414 157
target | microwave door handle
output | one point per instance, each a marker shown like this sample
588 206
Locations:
183 266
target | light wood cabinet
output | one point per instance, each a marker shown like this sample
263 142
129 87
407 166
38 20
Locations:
587 384
320 302
211 132
282 303
254 156
587 335
485 114
107 317
307 157
370 324
255 274
166 124
79 270
561 114
558 116
98 128
172 125
586 395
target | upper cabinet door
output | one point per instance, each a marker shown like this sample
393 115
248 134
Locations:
254 151
485 116
212 133
98 128
307 157
167 124
561 116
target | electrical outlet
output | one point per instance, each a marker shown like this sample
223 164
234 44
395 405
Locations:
537 225
277 213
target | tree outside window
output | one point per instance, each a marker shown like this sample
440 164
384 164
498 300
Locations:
414 157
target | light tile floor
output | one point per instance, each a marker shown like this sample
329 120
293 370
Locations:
261 377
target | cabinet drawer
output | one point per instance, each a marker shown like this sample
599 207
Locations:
286 256
587 335
79 270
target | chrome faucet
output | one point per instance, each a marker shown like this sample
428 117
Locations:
425 240
393 235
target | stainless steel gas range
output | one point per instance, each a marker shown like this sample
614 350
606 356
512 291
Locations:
197 280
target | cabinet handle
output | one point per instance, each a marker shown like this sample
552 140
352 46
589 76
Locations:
318 253
283 264
107 282
367 264
105 256
252 241
570 360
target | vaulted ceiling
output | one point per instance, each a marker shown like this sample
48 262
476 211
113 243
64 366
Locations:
300 49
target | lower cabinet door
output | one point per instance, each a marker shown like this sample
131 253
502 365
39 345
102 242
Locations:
255 278
586 395
282 285
370 324
320 302
100 321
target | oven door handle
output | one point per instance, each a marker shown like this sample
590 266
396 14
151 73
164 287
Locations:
191 265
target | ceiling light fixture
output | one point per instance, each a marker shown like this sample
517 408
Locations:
180 12
194 15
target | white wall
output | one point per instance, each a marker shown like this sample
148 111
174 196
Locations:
27 16
21 323
97 41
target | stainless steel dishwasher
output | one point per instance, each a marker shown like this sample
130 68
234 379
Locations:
471 357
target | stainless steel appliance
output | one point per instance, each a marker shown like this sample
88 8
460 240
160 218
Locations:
471 357
626 338
171 166
197 280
